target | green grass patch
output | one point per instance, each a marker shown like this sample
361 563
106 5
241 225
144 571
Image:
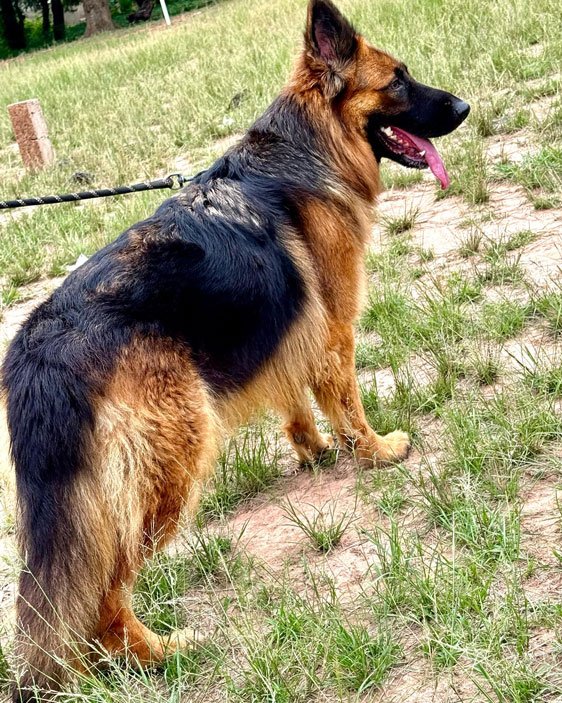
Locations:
503 319
511 681
538 171
500 270
485 364
400 224
249 466
471 243
468 168
393 498
490 530
369 356
495 438
359 661
546 202
548 305
324 528
4 670
165 579
401 178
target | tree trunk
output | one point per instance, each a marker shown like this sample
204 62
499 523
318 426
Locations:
12 21
58 19
98 17
143 13
46 19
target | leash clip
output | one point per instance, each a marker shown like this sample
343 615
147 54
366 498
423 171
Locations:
177 180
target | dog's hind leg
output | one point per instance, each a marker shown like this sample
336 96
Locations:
121 633
338 395
158 432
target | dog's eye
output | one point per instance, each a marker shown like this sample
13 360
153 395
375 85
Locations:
396 84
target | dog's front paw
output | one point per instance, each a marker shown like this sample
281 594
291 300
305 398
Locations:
310 450
183 640
392 448
381 451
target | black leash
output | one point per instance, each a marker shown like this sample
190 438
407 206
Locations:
174 181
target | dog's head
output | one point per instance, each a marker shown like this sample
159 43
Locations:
375 94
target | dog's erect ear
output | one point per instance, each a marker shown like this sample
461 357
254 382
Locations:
331 40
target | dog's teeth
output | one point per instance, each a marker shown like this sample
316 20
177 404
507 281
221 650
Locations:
388 131
422 153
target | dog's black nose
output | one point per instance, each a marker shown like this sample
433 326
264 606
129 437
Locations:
461 109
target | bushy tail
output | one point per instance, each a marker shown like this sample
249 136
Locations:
66 556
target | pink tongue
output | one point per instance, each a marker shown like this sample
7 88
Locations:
434 161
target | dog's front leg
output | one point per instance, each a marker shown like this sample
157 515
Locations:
337 393
301 430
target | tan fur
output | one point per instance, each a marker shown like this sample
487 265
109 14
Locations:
156 442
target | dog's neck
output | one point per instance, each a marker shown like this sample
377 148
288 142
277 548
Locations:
339 160
345 147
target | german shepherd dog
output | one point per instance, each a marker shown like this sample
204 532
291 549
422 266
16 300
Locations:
239 292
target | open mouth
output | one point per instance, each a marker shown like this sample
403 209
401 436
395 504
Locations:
414 152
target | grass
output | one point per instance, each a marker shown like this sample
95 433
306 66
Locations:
420 319
437 568
497 438
485 363
522 683
165 580
541 373
392 497
500 269
368 356
539 171
546 202
546 380
469 166
549 306
486 116
471 243
4 670
503 319
402 178
324 529
401 224
359 661
249 465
